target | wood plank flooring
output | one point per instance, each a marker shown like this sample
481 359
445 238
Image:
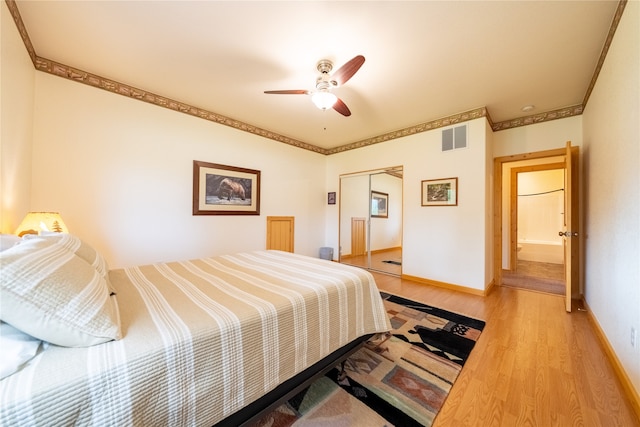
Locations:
536 276
377 261
534 364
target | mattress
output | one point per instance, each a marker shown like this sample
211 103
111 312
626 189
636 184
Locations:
201 340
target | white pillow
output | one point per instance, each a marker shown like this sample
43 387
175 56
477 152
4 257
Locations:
8 240
17 349
52 294
78 247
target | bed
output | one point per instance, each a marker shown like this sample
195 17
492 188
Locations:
212 341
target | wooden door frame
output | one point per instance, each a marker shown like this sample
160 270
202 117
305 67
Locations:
498 163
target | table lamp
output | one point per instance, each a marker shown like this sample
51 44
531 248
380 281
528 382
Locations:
37 222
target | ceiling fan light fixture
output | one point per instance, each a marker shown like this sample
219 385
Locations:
324 99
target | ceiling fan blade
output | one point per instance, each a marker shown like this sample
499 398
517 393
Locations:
288 92
342 108
347 71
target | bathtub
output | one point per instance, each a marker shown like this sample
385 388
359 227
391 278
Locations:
541 251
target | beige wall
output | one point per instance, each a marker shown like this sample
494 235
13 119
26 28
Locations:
539 137
16 111
120 173
437 241
611 160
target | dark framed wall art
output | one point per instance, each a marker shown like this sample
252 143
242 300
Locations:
440 192
379 205
225 190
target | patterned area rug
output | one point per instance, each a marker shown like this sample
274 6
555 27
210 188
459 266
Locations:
401 379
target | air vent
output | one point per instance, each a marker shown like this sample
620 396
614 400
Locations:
454 138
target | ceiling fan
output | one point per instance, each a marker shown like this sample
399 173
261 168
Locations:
322 97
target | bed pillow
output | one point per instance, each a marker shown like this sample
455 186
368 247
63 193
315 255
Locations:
82 249
79 248
8 240
17 349
52 294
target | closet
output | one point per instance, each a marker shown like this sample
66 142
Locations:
371 219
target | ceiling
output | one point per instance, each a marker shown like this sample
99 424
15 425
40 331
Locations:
425 60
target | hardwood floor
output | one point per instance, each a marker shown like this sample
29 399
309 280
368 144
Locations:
377 261
534 364
536 276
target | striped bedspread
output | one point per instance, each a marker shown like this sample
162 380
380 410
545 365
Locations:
202 339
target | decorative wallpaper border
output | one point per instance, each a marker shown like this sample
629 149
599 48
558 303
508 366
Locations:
574 110
422 127
94 80
605 49
70 73
15 14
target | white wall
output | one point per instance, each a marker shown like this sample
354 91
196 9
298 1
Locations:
611 159
387 232
353 201
446 244
120 173
488 206
17 85
538 137
541 206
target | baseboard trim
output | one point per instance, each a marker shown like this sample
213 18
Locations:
450 286
627 385
377 251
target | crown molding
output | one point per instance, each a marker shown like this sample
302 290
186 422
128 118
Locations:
422 127
74 74
15 14
605 49
574 110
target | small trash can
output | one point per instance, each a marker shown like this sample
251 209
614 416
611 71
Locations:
326 253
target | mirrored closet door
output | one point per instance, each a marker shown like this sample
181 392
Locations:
371 220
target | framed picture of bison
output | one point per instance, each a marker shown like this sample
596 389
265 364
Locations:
440 192
225 190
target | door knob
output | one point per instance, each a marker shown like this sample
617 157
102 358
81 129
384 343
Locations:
568 233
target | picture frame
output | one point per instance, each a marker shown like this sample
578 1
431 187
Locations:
379 204
331 198
225 190
440 192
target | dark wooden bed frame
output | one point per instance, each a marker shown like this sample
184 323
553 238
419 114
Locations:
291 387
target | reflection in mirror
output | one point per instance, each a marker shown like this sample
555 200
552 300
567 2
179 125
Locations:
372 241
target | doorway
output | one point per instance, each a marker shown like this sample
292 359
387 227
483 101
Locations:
506 241
536 215
370 231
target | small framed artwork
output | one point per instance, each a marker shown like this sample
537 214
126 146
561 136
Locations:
331 198
225 190
379 205
440 192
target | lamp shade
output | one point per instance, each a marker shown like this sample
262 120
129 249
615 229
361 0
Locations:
324 99
37 222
